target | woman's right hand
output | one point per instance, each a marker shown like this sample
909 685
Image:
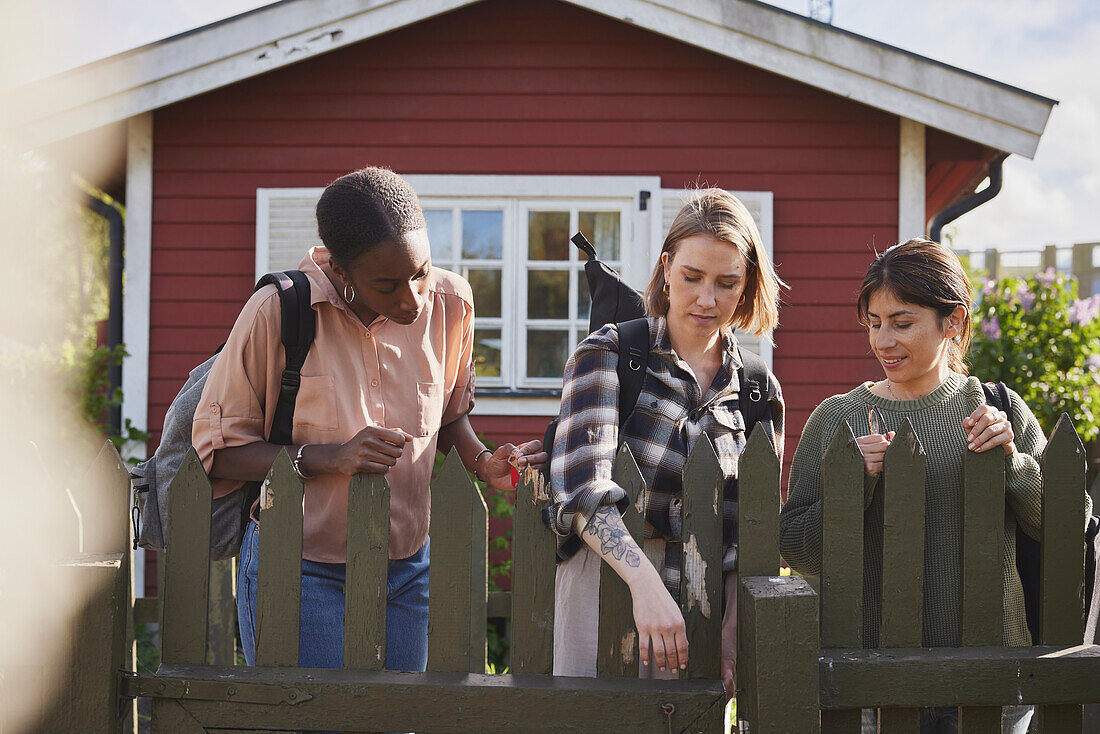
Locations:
660 625
373 450
873 447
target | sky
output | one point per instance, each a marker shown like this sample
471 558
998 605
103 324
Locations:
1051 47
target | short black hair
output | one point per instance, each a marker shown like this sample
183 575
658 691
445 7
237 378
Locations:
363 208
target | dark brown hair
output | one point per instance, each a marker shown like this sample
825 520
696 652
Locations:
927 274
721 215
364 208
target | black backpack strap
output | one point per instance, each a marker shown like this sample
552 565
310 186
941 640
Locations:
997 396
753 377
299 326
633 358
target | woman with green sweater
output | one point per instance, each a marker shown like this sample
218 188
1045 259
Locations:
915 303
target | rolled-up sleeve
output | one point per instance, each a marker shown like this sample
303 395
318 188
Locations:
231 409
587 436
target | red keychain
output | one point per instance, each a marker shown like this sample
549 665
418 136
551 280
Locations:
513 465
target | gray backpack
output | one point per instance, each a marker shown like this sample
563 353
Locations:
152 479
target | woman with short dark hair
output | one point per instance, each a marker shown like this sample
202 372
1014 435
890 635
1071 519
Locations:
387 382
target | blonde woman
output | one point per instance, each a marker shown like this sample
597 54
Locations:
713 275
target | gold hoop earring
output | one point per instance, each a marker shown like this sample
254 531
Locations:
349 292
665 288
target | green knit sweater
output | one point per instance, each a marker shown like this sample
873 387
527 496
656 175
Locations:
937 420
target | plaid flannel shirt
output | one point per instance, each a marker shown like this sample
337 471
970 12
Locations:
669 417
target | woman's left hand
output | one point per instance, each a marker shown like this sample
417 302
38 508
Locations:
498 467
988 427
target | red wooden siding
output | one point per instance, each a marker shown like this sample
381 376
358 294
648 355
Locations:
527 88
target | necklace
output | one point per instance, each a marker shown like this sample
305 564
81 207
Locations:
894 395
891 391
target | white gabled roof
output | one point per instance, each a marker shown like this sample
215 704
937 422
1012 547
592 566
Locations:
775 40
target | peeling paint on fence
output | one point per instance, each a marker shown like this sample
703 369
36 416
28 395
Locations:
695 571
628 647
540 490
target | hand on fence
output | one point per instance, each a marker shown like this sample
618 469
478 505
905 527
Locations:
988 427
373 450
660 625
873 447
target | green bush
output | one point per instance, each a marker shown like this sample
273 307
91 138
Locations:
1040 339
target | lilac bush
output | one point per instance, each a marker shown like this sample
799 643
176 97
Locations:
1040 339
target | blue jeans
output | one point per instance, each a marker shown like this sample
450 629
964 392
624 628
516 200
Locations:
321 639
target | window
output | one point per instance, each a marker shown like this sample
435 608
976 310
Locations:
509 237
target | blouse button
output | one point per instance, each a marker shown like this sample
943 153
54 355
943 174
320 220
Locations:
374 383
214 409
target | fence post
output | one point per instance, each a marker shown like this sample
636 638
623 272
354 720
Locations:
458 581
701 597
903 476
617 647
1062 557
367 572
533 570
221 636
186 581
777 617
981 617
842 558
279 592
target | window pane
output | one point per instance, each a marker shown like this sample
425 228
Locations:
487 352
486 287
602 230
547 352
482 235
440 235
548 294
548 235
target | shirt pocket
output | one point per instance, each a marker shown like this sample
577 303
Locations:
429 407
729 419
316 403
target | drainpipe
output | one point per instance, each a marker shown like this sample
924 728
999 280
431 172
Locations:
970 203
114 318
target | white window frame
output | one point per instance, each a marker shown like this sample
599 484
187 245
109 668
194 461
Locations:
517 394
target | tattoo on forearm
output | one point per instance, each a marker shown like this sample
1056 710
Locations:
615 541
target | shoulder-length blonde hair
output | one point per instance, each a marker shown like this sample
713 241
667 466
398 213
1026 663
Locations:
721 215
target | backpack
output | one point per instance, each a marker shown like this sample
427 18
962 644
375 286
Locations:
1028 550
615 302
229 515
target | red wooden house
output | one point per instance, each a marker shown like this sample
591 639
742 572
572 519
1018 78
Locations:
520 122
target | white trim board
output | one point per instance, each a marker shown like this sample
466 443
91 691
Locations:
777 41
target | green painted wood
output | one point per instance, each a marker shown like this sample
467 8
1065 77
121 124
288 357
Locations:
903 543
841 557
701 595
953 676
758 506
448 702
777 674
367 571
1063 559
478 594
982 613
453 582
279 592
104 501
617 646
221 633
186 580
533 569
170 717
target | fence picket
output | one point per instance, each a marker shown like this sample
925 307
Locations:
758 508
903 476
617 647
533 568
221 633
458 582
185 584
701 562
367 572
842 558
1062 559
279 596
982 613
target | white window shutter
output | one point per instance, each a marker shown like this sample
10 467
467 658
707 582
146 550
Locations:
759 204
286 227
